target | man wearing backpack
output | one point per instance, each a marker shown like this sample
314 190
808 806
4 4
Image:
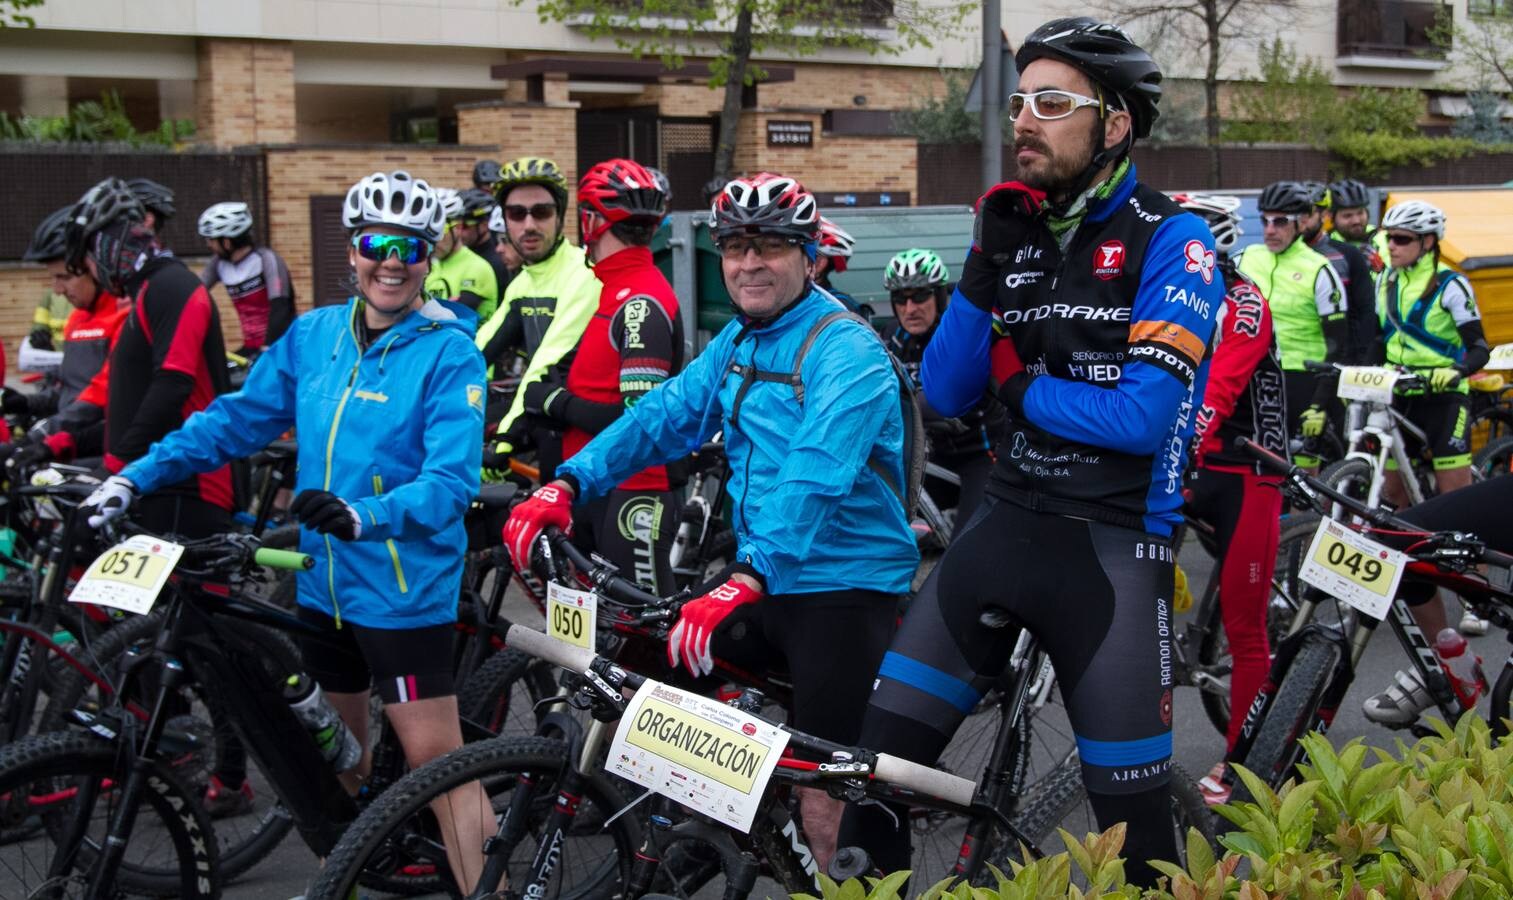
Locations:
819 473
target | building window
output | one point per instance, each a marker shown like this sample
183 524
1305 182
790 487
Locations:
1502 9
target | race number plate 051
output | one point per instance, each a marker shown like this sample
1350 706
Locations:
706 756
130 575
1502 357
1370 383
571 616
1354 568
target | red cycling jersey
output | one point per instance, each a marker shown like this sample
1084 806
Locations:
633 343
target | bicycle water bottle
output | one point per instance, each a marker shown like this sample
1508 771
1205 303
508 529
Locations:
1461 666
338 746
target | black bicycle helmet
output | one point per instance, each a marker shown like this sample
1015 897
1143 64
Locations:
476 204
485 174
1105 54
1285 197
1318 193
50 241
1350 194
106 203
154 196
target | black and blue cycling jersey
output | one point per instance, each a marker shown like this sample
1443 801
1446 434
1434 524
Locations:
1113 332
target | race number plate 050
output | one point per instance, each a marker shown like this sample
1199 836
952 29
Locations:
1370 383
130 575
571 616
709 757
1354 568
1502 357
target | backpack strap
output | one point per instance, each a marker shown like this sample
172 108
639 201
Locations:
1413 326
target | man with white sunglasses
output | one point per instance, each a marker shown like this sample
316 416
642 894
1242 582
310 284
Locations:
1086 302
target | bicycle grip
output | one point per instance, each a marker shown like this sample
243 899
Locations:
539 645
283 559
924 780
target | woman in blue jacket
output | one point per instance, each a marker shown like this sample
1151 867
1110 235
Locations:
386 394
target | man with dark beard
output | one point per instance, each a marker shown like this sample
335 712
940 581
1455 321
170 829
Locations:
1354 272
1089 299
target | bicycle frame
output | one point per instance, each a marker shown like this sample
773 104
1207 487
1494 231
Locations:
1385 426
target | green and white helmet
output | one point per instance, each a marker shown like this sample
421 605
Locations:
915 269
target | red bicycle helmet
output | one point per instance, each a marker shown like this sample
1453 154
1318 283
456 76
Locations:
765 204
836 244
619 190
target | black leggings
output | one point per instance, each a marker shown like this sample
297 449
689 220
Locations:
1480 509
1098 597
633 530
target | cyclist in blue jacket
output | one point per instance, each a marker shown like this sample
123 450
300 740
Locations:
386 393
823 545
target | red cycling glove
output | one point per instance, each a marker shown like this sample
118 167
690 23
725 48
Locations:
698 620
550 505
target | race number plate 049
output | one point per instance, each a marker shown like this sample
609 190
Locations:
571 616
1502 357
130 575
709 757
1354 568
1370 383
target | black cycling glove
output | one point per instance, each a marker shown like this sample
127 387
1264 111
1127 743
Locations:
325 513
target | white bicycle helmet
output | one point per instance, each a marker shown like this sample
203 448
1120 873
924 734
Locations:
1221 213
395 199
496 220
225 220
835 242
1416 216
451 203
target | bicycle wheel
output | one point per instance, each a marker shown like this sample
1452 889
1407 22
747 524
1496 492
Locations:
244 837
1494 459
1282 609
1351 477
1276 751
397 837
63 781
501 694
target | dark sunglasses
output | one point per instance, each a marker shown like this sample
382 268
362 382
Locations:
1277 221
379 247
1403 240
541 212
918 299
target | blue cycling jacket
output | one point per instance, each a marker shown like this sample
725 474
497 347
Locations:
809 514
395 431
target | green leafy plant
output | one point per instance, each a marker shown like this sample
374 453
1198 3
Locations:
1432 821
1292 100
92 122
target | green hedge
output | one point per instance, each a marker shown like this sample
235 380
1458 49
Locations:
1433 821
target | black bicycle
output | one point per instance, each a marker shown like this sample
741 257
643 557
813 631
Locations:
559 811
1313 669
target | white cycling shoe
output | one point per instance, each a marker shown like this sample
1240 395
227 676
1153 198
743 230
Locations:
1472 625
1401 703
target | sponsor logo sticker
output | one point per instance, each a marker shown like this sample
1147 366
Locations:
1108 260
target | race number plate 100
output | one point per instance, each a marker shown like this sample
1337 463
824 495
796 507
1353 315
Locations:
1370 383
571 616
1354 568
130 575
706 756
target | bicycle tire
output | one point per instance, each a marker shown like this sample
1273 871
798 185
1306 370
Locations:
1275 752
385 836
1281 608
245 840
1351 477
56 759
1495 459
501 694
1063 790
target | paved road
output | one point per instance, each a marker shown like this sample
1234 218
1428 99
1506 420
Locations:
287 871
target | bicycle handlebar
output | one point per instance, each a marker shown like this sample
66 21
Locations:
1378 517
1406 377
603 576
892 769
